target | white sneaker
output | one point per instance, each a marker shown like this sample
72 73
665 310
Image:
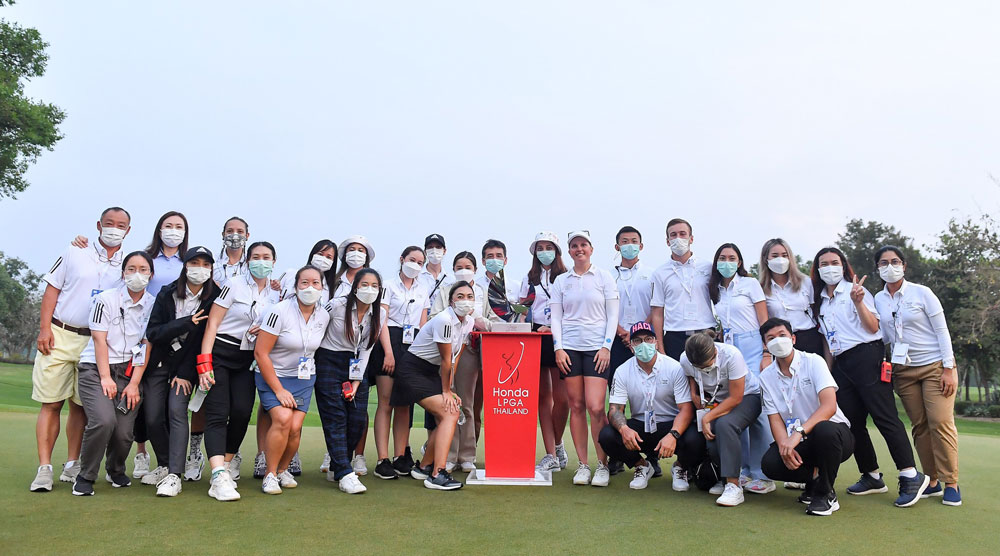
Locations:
193 467
170 486
582 475
140 467
467 467
641 477
731 496
450 466
286 480
423 450
155 476
548 463
325 466
680 479
43 479
718 488
68 474
562 456
359 465
270 484
351 484
795 486
601 476
223 488
234 466
759 486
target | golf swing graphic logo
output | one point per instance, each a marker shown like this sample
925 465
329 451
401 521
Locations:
512 370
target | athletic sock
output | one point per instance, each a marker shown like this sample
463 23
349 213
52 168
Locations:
875 475
909 473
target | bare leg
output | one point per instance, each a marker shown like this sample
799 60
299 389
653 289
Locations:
596 389
400 429
383 416
47 431
577 416
545 411
294 437
560 405
263 424
277 437
75 423
440 440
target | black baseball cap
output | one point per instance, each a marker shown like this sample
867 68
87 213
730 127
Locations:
434 238
199 251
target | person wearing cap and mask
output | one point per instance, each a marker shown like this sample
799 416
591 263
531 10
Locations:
923 368
680 305
850 323
434 278
355 253
233 257
70 286
657 392
176 327
812 437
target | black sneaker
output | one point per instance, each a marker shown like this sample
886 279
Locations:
807 496
120 481
422 473
83 487
823 505
911 489
402 466
867 485
408 456
442 481
615 467
385 470
657 472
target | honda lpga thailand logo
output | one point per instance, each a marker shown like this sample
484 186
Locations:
511 373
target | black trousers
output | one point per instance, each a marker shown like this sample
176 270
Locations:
229 403
673 344
620 353
810 341
829 445
858 373
614 446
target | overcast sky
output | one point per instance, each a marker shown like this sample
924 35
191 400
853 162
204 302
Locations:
472 119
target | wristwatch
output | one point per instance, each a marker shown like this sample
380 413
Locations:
675 434
801 431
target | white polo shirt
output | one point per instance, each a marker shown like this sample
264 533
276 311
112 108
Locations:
797 397
736 304
839 320
443 283
222 271
79 275
287 281
343 288
124 321
245 304
729 365
296 337
914 316
405 305
636 288
793 306
335 338
541 313
682 290
442 329
667 386
584 316
187 306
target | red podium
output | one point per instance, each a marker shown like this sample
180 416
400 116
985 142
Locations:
510 409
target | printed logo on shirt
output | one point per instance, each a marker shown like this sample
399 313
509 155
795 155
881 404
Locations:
806 381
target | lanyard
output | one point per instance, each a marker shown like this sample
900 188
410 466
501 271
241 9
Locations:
359 333
437 284
305 334
792 389
541 283
897 316
648 387
730 295
688 285
701 387
627 284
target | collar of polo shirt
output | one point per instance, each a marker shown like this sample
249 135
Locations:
900 291
793 368
843 286
588 271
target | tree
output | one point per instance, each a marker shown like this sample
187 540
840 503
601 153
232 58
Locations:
26 126
20 302
861 240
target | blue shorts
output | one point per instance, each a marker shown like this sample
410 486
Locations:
301 389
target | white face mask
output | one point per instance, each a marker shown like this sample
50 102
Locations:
355 259
321 262
435 255
112 237
172 237
780 347
367 295
411 269
778 265
464 307
136 282
832 275
891 274
465 275
679 246
198 275
308 295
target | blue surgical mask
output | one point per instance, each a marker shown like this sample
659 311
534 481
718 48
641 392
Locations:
645 352
629 251
727 268
545 257
494 265
261 269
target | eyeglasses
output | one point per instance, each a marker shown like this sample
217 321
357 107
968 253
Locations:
893 262
645 339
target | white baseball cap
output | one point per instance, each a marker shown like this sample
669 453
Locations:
545 236
585 234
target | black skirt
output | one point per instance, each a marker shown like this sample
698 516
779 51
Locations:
548 353
415 379
377 358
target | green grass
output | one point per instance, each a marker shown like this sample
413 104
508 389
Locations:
402 516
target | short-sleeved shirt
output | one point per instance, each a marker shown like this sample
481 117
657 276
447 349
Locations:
541 314
793 306
736 304
635 285
165 270
906 318
444 328
667 386
335 338
840 322
729 365
682 290
405 305
222 271
296 338
125 322
584 315
79 275
797 397
435 286
246 306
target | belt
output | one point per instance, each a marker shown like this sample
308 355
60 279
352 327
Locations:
73 329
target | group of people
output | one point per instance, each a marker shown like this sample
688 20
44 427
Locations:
746 380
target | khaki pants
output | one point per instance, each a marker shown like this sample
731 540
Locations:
467 376
933 418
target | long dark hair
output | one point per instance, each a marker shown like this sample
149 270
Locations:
207 289
375 308
222 253
156 245
329 275
535 272
716 278
818 284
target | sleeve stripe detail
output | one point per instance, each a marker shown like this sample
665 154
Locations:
272 320
224 292
55 266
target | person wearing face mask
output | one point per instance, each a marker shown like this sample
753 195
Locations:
355 253
425 376
726 397
657 391
341 382
553 405
789 295
433 277
635 282
812 437
680 305
502 293
924 373
233 257
739 303
850 323
176 327
70 286
286 372
111 370
224 365
406 304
